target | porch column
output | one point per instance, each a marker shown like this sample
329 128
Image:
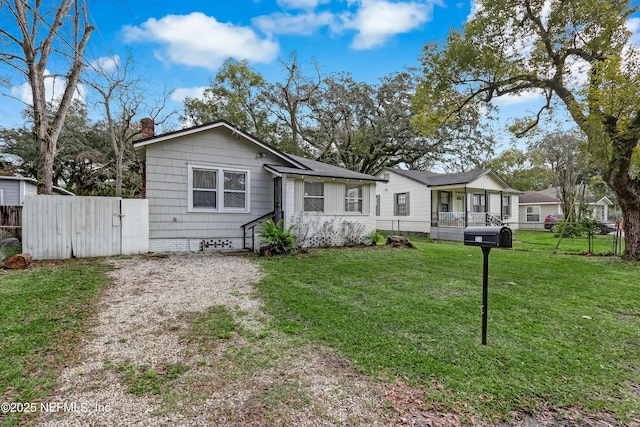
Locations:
501 206
466 211
486 206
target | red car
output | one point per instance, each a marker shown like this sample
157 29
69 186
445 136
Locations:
551 221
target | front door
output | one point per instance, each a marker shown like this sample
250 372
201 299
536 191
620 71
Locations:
277 198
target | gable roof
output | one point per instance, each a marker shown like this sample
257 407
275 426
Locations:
140 143
538 197
297 165
320 169
550 196
434 179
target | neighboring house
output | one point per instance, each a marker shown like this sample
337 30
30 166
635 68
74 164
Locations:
211 186
536 205
442 205
13 190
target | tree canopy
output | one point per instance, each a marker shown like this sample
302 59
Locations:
574 55
336 119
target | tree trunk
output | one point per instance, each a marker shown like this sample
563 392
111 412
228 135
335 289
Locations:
119 172
629 199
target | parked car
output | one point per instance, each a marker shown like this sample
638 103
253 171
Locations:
605 227
552 220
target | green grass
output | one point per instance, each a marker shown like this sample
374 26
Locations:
562 331
145 380
43 313
548 241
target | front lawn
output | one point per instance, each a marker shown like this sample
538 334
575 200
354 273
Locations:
550 242
43 312
563 330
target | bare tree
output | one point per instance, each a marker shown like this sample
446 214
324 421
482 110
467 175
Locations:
28 47
290 99
123 99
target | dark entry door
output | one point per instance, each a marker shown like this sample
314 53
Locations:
277 198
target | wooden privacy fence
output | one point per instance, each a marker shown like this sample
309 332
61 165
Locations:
58 227
11 220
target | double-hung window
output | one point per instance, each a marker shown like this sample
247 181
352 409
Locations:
479 203
313 196
204 188
401 204
353 198
213 189
506 206
533 214
235 190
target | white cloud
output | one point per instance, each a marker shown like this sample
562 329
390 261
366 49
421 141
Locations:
521 98
53 88
301 4
106 63
476 7
181 93
285 23
199 40
633 25
378 20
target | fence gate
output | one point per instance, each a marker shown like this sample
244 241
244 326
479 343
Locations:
58 227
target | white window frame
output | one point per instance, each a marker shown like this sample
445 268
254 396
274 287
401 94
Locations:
353 200
533 212
506 207
220 190
305 196
482 206
404 206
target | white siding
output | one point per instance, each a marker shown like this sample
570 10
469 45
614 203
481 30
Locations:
544 209
58 227
171 226
334 226
419 218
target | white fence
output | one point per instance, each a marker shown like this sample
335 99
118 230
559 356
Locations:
58 227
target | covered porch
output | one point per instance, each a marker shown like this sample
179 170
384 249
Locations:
455 207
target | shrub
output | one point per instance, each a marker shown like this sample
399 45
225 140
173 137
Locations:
374 237
278 240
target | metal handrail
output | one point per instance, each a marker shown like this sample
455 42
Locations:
251 225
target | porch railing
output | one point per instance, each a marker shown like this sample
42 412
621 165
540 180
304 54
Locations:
460 220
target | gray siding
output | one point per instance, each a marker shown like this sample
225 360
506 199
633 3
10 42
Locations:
10 192
167 185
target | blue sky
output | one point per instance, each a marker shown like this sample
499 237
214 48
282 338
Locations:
180 45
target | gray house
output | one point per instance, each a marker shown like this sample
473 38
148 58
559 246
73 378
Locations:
535 206
13 190
211 186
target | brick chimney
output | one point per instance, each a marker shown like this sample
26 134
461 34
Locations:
148 128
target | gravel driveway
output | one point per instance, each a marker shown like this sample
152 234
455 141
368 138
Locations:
255 378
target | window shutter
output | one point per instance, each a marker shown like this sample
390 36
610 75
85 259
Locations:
395 204
408 204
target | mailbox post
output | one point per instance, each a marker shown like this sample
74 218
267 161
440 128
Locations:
487 238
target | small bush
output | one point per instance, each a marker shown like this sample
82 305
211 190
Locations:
278 240
375 237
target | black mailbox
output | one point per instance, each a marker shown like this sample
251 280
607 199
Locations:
488 237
